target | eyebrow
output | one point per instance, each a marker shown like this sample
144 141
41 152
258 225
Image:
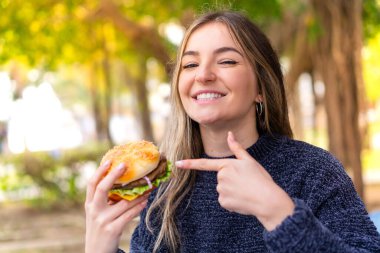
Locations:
217 51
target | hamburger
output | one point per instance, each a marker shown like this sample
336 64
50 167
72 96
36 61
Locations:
145 170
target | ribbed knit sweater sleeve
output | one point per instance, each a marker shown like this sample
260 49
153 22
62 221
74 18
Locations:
329 216
303 232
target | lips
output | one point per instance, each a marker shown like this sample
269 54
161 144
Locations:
207 95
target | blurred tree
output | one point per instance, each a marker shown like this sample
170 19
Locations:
338 61
327 43
46 34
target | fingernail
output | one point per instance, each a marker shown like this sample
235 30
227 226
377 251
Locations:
144 203
106 163
121 166
231 136
179 163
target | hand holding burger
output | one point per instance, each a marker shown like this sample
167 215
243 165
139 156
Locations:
126 172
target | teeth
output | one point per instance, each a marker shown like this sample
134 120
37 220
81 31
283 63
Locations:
208 96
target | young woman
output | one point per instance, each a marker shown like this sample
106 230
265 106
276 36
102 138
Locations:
241 183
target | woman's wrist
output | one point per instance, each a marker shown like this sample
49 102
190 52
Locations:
276 209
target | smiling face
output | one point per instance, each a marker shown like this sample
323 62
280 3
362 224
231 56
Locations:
217 84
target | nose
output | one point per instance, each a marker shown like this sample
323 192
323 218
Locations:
205 74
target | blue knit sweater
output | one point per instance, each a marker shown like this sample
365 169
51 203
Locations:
329 215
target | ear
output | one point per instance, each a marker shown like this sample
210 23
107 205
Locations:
259 98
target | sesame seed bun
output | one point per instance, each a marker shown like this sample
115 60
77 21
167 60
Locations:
139 157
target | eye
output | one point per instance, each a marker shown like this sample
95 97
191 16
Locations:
228 62
190 65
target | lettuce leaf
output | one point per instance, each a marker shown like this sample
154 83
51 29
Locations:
141 189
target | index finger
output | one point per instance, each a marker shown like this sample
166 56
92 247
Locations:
236 147
95 179
201 164
101 192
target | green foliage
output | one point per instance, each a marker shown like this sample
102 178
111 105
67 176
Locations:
371 18
35 31
54 175
52 32
260 11
371 66
314 29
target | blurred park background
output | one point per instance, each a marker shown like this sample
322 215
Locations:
78 76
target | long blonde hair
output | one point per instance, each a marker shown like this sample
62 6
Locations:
182 139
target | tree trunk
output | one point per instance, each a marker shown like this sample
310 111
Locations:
300 63
97 102
141 102
318 124
108 92
338 60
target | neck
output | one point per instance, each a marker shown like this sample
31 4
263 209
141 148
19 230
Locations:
215 139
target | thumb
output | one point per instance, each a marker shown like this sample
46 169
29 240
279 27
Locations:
236 147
